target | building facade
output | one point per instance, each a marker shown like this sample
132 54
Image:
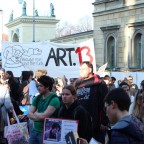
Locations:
27 29
119 33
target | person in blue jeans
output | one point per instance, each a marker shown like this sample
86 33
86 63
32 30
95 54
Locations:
42 108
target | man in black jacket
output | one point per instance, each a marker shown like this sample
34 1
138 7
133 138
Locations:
91 92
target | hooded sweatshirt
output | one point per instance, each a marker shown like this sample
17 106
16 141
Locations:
78 112
91 93
128 130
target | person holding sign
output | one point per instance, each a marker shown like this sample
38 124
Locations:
71 109
43 106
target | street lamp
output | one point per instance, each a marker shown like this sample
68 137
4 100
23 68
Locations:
33 20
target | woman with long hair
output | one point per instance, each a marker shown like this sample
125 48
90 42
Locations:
24 87
138 110
13 88
13 85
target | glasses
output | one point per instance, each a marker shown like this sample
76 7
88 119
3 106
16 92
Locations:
106 106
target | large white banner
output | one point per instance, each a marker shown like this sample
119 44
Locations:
57 59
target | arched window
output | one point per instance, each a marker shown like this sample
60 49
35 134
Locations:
111 52
137 51
15 38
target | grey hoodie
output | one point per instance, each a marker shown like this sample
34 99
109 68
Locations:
128 130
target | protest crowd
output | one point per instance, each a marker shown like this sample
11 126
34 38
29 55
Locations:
108 112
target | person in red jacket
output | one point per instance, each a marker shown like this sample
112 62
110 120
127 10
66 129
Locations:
91 91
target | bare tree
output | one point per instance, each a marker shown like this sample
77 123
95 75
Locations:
64 28
84 24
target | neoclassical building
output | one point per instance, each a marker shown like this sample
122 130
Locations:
119 33
25 29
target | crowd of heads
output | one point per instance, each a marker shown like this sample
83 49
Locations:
127 96
118 99
86 70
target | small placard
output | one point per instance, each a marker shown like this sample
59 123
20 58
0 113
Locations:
93 141
55 130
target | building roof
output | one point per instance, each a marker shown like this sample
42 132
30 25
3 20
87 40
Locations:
73 35
29 19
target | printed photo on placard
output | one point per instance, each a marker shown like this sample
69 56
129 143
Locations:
55 130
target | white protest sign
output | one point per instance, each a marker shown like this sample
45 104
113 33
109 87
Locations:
57 59
93 141
62 126
102 69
